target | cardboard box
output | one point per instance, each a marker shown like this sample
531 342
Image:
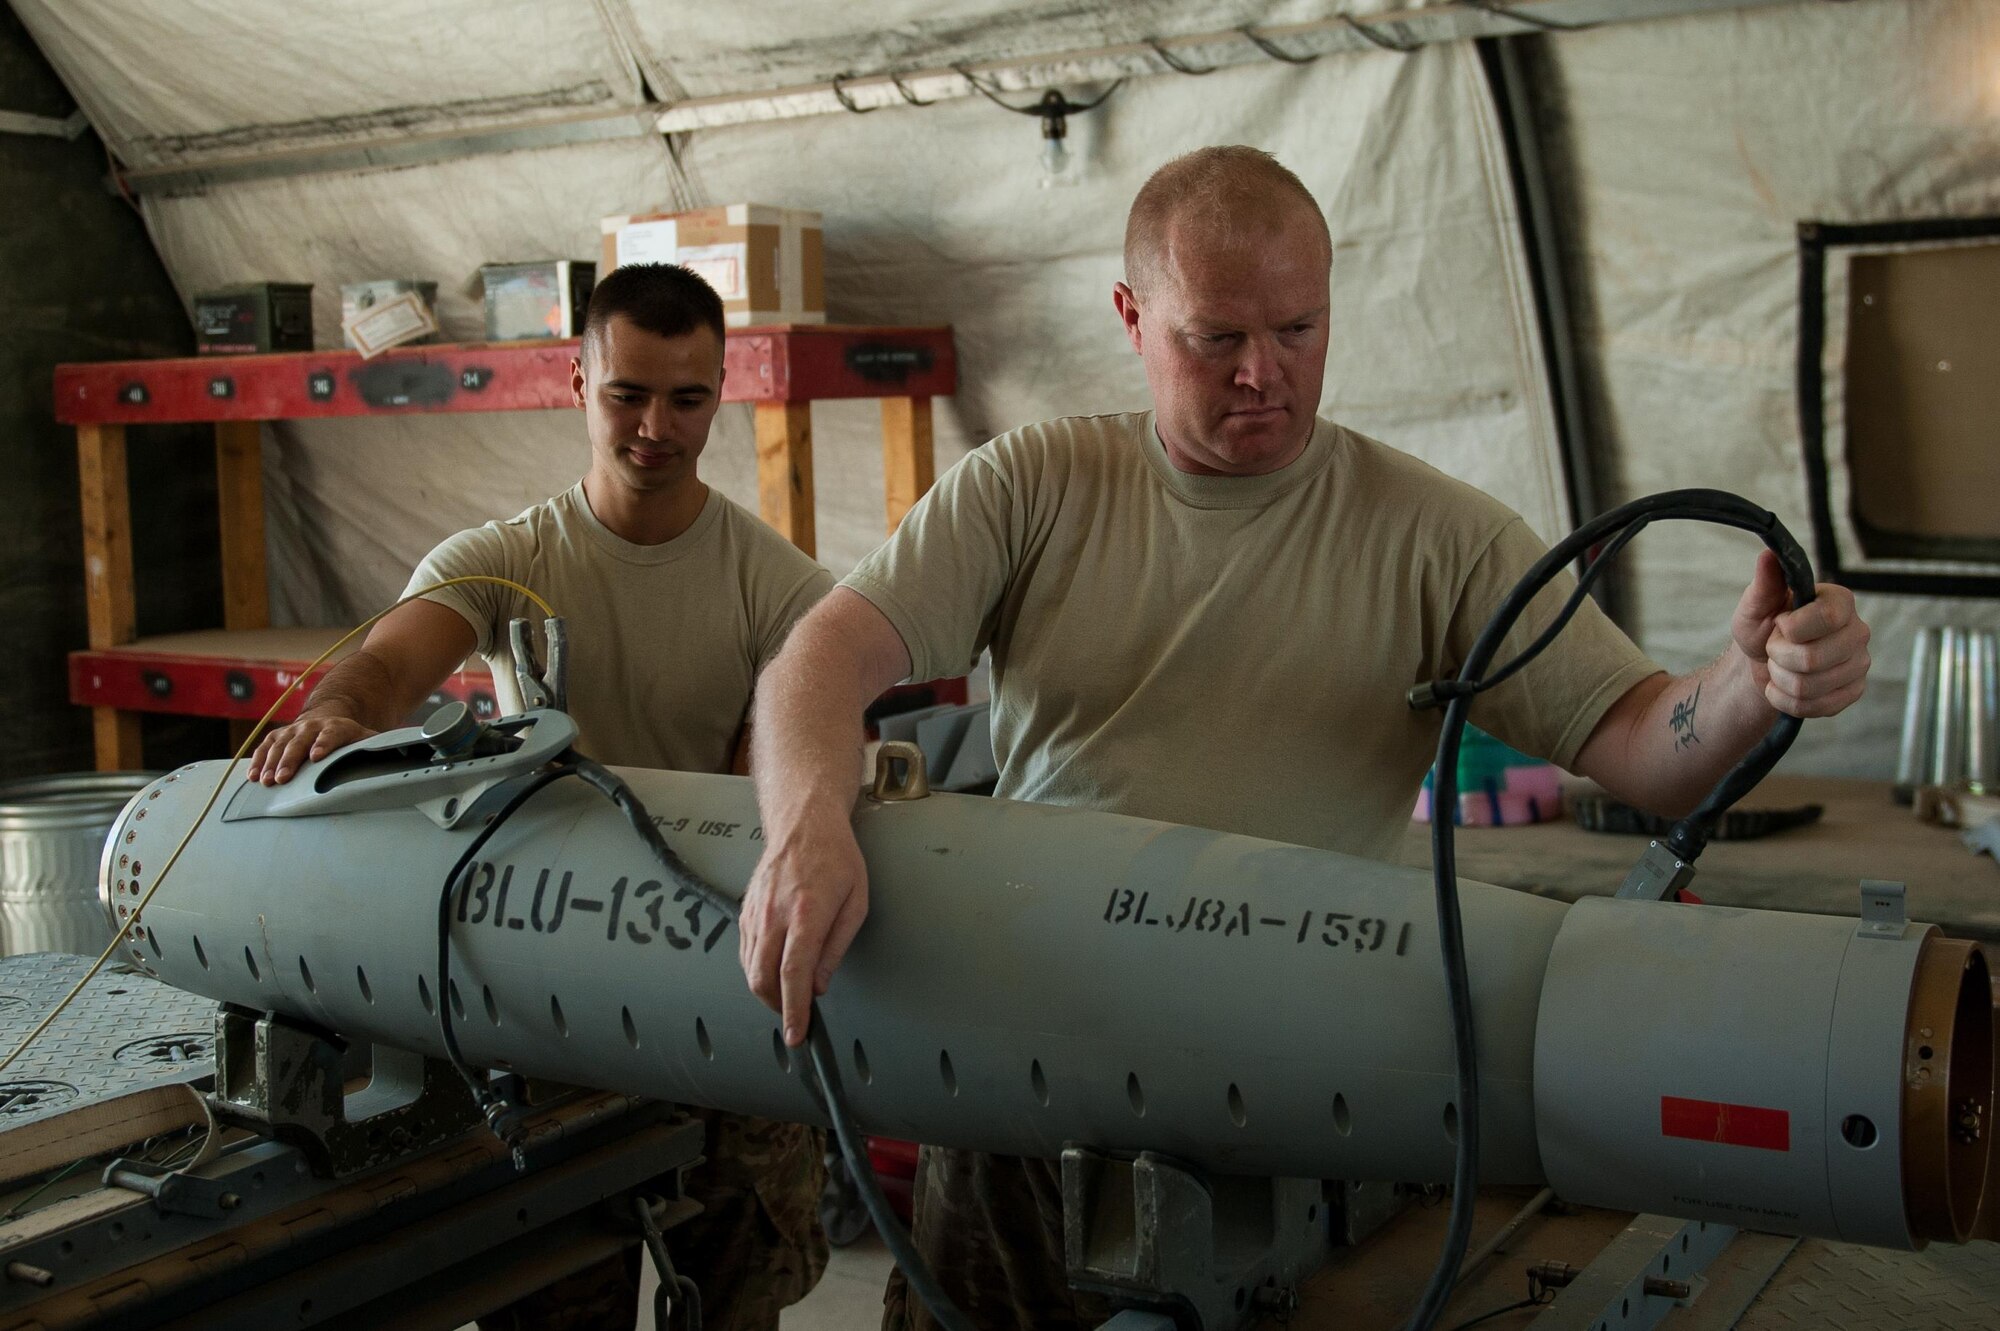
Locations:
767 264
261 316
544 299
359 299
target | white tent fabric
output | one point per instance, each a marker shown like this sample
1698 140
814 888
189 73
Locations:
933 215
164 83
1691 148
1696 147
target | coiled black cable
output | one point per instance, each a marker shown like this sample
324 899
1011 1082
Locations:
1686 841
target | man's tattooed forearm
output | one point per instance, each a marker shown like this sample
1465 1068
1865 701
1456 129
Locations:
1682 720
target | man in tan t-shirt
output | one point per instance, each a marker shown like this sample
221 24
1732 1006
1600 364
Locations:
675 598
1211 613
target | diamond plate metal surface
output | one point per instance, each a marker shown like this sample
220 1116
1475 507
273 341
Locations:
1828 1285
124 1033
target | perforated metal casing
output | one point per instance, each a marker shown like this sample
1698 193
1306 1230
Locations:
1028 976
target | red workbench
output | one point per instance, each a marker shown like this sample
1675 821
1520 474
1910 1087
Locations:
781 369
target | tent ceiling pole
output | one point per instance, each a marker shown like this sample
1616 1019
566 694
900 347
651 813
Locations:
1406 29
1513 94
1403 29
15 122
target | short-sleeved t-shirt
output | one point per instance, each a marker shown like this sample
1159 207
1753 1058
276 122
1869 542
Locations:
665 641
1229 652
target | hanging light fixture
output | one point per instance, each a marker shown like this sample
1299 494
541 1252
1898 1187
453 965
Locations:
1055 111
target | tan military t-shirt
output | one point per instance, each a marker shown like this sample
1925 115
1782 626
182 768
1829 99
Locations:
665 641
1229 652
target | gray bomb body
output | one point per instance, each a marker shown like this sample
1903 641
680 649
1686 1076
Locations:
1033 976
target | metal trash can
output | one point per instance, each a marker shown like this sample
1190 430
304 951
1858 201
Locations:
52 832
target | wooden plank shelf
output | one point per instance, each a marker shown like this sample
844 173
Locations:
780 369
780 363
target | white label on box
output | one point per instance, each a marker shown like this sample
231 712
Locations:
648 242
723 267
390 324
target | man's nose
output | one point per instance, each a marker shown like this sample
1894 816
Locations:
1257 368
655 421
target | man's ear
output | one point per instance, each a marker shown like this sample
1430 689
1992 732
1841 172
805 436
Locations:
1126 302
579 376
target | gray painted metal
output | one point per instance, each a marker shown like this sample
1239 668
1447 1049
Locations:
1840 1285
1149 1232
1033 977
1477 1258
1793 1023
1029 977
1948 725
1612 1292
1658 875
286 1083
124 1034
1982 709
52 831
1919 712
1134 1320
1735 1279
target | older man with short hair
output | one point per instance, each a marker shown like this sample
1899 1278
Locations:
1210 613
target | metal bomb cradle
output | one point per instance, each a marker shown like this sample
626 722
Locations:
1171 1011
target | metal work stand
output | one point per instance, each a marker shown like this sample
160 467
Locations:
389 1208
1183 1249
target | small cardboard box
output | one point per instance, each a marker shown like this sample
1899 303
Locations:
260 316
358 299
527 300
767 264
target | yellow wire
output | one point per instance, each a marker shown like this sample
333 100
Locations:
249 741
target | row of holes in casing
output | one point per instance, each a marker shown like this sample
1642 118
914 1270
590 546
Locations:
1239 1113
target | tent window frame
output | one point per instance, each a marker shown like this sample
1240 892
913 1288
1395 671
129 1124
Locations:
1816 240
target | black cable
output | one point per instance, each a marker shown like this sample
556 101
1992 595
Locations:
1499 1312
610 785
1272 49
989 94
1374 37
842 96
1458 990
1686 840
1561 621
1174 62
826 1087
915 1270
909 96
502 1116
1038 107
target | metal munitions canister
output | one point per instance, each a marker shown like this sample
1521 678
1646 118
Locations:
52 832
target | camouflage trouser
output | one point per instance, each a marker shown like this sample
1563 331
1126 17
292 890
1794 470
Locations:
990 1229
756 1247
